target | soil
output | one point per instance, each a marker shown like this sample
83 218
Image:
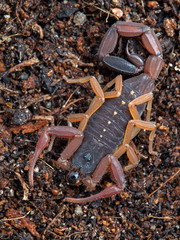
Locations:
41 44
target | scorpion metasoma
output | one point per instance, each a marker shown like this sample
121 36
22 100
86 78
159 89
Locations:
107 127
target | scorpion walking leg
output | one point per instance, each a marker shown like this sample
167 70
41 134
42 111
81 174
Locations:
97 101
132 107
133 159
84 117
129 134
118 87
142 99
140 125
134 127
74 134
111 162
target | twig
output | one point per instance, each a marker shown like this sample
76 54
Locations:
47 118
102 10
26 63
6 37
24 185
37 209
59 214
38 100
173 7
164 183
10 219
77 62
47 164
55 235
165 218
17 14
76 233
64 106
38 28
8 90
142 2
71 103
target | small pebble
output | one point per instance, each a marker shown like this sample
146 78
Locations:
21 116
36 169
78 211
24 76
153 4
169 26
153 227
11 193
79 18
118 12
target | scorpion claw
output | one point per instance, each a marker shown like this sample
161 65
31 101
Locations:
107 192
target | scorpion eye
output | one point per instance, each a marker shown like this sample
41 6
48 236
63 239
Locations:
72 177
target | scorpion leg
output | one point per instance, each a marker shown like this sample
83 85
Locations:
74 134
95 104
139 100
94 84
134 127
78 117
84 117
133 159
118 87
140 124
97 101
133 110
111 162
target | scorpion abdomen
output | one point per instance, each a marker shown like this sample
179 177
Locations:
106 128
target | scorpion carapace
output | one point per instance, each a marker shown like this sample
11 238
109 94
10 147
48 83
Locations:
107 127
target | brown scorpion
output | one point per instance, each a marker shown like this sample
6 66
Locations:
107 127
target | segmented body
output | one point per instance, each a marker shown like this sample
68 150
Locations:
106 128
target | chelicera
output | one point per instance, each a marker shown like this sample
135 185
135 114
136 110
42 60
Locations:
113 118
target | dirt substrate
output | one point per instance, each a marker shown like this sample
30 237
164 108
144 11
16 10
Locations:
41 43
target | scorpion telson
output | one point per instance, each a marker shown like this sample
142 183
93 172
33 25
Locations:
107 128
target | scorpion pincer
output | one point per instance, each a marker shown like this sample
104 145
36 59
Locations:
107 127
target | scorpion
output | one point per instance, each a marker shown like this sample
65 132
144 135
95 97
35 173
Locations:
106 129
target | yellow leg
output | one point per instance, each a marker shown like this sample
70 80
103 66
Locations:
133 159
94 84
118 87
133 110
133 127
140 125
95 104
98 99
142 99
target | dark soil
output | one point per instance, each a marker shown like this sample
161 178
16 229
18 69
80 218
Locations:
40 43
